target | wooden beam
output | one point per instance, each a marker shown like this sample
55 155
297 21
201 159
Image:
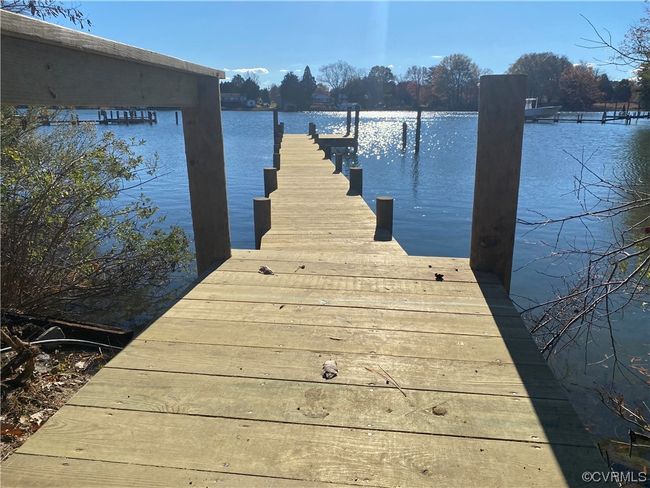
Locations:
207 176
498 164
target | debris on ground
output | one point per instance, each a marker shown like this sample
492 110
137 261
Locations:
438 410
265 270
330 369
302 266
440 277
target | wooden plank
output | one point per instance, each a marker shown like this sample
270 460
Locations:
291 279
305 452
33 471
498 165
333 298
458 414
28 28
344 340
363 318
207 176
392 272
62 77
469 376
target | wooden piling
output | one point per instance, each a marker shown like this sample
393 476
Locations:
498 165
418 126
384 227
356 124
276 148
207 176
270 181
275 121
404 129
276 161
328 152
176 114
338 164
356 181
262 218
348 123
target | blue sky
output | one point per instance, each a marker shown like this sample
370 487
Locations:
273 37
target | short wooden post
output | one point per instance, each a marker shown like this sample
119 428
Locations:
338 165
604 118
276 148
207 176
270 181
418 127
404 129
348 123
356 124
176 114
261 218
111 114
310 129
275 121
498 165
384 227
328 152
356 181
276 161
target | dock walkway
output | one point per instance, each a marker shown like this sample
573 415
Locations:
439 383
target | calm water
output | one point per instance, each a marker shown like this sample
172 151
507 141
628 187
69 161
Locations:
433 205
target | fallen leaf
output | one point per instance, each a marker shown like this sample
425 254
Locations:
265 270
330 369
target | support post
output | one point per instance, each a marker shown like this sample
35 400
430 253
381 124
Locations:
356 124
404 129
356 181
338 165
276 161
384 228
418 127
348 123
270 181
498 165
207 176
175 113
328 152
276 148
275 121
261 218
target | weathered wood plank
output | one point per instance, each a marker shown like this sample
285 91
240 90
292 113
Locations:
34 471
395 301
456 414
469 376
363 318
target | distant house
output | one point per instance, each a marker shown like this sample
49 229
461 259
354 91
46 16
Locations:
232 100
321 101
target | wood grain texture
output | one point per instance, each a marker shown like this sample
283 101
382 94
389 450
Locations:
313 453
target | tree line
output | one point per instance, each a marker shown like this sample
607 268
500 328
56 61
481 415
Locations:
452 84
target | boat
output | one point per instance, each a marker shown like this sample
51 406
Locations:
533 112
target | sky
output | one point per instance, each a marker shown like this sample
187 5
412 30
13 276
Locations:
271 38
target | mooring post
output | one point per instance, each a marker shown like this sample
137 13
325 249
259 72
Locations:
176 114
270 181
356 181
338 165
498 166
328 152
418 126
207 176
404 129
276 148
261 218
384 228
275 120
310 129
276 161
604 118
348 123
356 124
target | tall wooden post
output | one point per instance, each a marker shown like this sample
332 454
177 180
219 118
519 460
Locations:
175 113
418 126
356 124
498 165
261 218
348 123
270 181
275 121
207 176
404 129
338 164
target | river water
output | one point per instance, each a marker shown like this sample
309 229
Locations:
433 208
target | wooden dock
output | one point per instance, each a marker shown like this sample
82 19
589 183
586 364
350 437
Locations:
439 383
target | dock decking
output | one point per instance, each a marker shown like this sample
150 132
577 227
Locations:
439 383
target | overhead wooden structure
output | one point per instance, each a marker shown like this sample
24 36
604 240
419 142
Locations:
45 64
